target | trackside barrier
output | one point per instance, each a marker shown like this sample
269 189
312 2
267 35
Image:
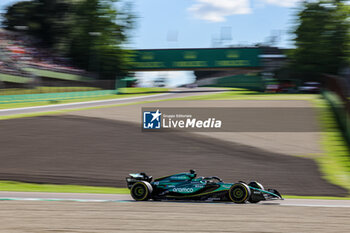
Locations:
246 81
8 99
336 95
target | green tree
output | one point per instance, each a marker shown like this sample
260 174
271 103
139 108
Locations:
321 38
42 18
90 32
97 40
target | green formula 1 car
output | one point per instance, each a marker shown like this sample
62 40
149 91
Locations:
185 186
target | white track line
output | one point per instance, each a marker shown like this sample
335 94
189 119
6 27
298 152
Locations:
125 201
56 199
86 102
316 205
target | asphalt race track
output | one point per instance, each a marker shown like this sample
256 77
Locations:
77 149
89 197
116 213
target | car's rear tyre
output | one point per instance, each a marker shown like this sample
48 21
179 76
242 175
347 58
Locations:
239 193
141 191
257 185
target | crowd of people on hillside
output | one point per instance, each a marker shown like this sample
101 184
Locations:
10 66
19 50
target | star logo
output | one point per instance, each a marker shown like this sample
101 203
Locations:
156 115
152 120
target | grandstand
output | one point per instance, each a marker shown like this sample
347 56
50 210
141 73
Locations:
24 61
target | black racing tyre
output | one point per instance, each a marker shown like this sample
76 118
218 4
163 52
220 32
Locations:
239 193
257 185
141 191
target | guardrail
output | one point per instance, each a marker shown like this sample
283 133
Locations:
336 94
57 75
7 99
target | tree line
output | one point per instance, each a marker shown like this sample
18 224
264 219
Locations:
90 32
322 40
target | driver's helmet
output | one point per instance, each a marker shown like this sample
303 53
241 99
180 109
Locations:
193 173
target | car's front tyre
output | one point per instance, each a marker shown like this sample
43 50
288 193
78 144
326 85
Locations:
239 193
141 191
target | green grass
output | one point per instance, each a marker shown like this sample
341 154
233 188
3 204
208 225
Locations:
250 95
12 186
334 164
41 90
50 102
14 78
134 90
68 110
16 116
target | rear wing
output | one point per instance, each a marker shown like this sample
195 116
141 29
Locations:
136 177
